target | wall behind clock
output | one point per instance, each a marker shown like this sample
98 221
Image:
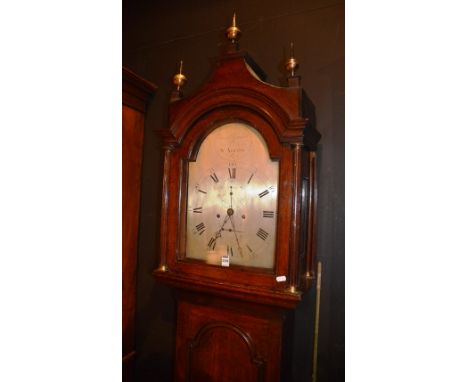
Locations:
156 35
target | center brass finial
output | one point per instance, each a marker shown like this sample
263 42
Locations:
233 32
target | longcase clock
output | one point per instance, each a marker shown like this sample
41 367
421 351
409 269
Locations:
238 218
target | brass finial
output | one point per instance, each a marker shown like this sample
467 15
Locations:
291 64
179 79
233 33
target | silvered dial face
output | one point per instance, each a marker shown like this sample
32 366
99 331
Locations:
232 199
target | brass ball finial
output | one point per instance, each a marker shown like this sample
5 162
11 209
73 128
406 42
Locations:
233 33
179 79
292 64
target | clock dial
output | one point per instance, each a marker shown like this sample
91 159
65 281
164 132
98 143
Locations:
232 199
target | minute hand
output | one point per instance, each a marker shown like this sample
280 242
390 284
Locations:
217 234
235 234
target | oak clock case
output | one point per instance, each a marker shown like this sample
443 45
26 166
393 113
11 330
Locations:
237 240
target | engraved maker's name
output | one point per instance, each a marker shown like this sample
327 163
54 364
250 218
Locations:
233 150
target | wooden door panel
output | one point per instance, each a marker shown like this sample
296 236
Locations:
223 352
227 345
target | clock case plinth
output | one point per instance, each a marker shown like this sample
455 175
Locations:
285 118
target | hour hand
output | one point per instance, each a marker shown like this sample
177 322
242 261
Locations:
217 234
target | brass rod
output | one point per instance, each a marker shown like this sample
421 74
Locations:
317 318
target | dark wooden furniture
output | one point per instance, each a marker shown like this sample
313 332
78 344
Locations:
231 320
136 93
